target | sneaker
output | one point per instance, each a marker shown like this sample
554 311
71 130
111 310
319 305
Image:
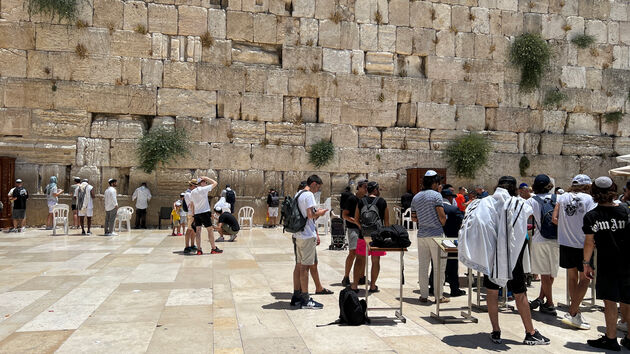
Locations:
295 300
362 281
423 299
495 336
345 281
548 309
444 300
605 343
536 339
625 342
173 234
534 304
458 292
220 239
114 234
180 234
89 232
216 250
232 238
187 250
312 304
193 248
200 252
576 321
108 234
622 326
83 233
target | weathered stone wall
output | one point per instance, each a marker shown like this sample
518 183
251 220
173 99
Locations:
390 83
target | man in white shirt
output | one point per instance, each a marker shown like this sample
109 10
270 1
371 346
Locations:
111 207
142 196
85 204
203 215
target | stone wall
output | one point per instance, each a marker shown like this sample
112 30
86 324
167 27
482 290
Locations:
390 83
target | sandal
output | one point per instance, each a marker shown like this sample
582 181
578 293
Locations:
444 300
375 290
324 292
424 300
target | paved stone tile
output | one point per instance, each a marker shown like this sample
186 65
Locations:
179 297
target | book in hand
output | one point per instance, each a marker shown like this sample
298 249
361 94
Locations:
448 244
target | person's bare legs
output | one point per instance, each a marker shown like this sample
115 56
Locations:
579 282
625 315
49 220
315 276
376 268
546 284
304 278
15 223
352 254
82 222
75 215
610 314
522 305
492 299
359 264
198 237
89 222
296 278
210 237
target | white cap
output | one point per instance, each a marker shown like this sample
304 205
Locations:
430 173
581 180
178 203
603 182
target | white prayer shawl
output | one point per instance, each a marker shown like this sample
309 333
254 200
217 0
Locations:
492 235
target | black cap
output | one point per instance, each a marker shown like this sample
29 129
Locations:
542 180
507 180
372 186
447 193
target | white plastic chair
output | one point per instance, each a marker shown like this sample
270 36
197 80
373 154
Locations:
60 216
398 215
246 214
324 219
406 220
123 214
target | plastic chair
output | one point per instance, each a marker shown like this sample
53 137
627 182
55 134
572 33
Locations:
246 214
123 214
406 220
60 215
398 215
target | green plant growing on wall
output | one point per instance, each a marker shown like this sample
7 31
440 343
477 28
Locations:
583 40
613 117
56 9
467 154
554 98
530 53
523 165
321 153
161 145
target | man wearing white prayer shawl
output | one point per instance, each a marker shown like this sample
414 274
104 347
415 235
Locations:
492 241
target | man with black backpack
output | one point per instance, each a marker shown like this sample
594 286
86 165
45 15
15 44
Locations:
372 213
273 202
348 209
545 252
230 197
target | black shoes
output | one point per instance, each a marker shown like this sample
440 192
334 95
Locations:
605 343
495 336
362 281
625 342
536 339
458 292
548 309
534 304
345 281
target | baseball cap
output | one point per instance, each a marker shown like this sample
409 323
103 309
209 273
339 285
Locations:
372 186
430 173
581 180
603 182
178 203
542 180
523 185
447 193
18 181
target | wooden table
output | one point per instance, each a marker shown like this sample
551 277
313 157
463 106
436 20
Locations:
399 309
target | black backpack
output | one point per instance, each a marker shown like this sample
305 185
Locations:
369 218
351 310
294 221
230 197
184 205
547 228
275 200
395 236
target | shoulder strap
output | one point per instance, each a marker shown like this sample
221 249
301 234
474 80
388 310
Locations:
554 198
374 201
298 205
538 199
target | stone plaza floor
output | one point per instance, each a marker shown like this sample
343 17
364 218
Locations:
137 293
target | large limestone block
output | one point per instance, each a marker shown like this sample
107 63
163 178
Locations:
12 63
445 46
461 19
442 19
229 105
107 126
15 121
379 63
277 82
14 10
329 110
597 29
404 40
92 152
364 10
180 75
285 134
465 93
303 58
406 115
260 107
173 179
219 53
198 156
553 26
324 8
519 120
247 132
481 22
551 144
573 76
345 136
377 114
240 26
399 12
230 156
130 44
217 23
17 35
123 153
309 31
369 137
316 132
349 38
439 138
187 102
255 54
218 77
436 116
582 123
247 183
394 160
357 160
423 41
329 34
152 72
369 37
336 61
135 14
192 21
387 38
108 13
471 118
67 66
40 151
265 28
163 18
357 87
511 23
503 141
445 68
554 121
279 158
28 94
587 145
292 109
61 123
392 138
303 8
312 85
416 139
621 145
420 14
308 109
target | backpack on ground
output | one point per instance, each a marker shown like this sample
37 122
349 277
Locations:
547 228
230 196
351 309
395 236
369 218
294 221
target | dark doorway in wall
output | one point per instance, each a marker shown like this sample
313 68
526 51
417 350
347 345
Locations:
7 181
414 177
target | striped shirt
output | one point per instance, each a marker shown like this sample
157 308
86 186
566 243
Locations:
423 204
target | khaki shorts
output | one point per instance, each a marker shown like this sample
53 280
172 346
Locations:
545 258
227 230
306 250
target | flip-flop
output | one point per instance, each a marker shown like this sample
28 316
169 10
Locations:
324 292
375 290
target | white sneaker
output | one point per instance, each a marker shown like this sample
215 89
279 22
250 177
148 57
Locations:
114 234
622 326
23 229
576 321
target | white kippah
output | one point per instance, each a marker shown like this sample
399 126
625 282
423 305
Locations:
430 173
603 182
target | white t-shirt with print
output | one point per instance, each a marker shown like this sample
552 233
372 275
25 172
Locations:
572 208
199 198
306 201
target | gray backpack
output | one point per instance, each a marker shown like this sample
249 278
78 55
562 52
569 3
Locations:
369 217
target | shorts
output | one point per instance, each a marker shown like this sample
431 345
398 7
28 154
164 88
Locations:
74 207
517 283
88 212
571 257
545 257
227 230
361 249
306 250
182 220
177 222
295 250
18 214
353 237
51 205
273 212
612 287
203 219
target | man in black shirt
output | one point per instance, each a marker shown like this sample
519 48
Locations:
227 225
18 195
348 207
273 202
405 201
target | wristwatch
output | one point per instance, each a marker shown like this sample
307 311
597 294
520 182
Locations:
586 262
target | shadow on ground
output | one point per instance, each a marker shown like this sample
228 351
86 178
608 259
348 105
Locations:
479 340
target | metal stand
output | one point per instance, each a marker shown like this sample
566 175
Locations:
399 310
503 305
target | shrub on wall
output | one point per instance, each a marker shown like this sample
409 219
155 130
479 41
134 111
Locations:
56 9
530 53
467 154
583 40
161 145
321 153
523 165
